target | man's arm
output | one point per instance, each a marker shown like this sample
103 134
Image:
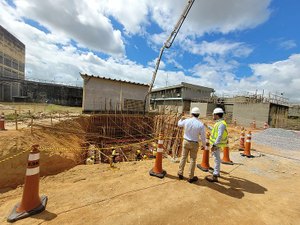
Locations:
181 122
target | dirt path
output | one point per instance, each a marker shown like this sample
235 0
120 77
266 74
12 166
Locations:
262 190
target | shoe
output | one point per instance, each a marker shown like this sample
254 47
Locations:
194 179
212 172
213 178
180 176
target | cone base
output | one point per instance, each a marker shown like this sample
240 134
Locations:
204 169
14 215
159 175
227 162
248 156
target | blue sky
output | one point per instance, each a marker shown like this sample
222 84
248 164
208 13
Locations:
235 47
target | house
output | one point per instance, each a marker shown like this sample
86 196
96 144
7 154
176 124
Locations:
102 94
179 97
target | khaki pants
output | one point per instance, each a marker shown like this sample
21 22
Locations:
192 148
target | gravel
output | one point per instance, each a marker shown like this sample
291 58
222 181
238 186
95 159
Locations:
278 138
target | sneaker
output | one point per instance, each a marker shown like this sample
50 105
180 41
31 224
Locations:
194 179
213 178
180 176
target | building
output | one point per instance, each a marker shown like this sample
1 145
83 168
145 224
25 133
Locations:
32 91
12 65
101 94
179 97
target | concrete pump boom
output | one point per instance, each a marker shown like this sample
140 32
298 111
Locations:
168 44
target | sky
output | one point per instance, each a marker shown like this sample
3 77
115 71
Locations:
235 47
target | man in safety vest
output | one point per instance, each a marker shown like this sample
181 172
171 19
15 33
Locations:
193 128
218 139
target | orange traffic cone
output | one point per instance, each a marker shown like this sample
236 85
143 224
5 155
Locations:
157 170
204 166
254 124
2 122
31 203
226 159
242 140
247 151
234 122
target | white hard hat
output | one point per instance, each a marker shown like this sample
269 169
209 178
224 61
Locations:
218 110
195 110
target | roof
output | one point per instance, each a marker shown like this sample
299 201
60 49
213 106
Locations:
183 84
107 78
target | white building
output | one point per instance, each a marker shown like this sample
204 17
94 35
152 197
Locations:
101 94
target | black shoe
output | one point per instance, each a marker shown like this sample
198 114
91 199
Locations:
180 176
213 178
194 179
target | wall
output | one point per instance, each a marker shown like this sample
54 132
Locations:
51 93
278 115
108 95
191 93
206 109
245 113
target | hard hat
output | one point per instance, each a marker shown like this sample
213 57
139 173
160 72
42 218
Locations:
218 110
195 110
92 157
138 151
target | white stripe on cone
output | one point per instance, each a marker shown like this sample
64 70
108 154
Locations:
160 149
33 157
160 141
32 171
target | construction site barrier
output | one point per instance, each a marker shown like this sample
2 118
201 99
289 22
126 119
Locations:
157 170
247 151
31 203
2 121
204 166
226 158
242 140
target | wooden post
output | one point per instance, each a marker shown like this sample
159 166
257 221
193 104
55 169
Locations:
16 118
51 119
31 126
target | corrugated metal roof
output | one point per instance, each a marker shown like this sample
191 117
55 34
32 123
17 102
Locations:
107 78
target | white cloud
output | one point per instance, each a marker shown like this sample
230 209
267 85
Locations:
81 21
288 44
210 16
220 48
152 64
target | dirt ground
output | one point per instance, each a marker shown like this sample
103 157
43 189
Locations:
262 190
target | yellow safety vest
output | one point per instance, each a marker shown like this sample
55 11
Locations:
214 134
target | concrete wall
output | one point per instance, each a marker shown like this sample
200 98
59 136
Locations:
278 115
202 94
294 111
206 109
109 95
245 113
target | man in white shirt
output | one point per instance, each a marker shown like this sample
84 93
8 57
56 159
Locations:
193 127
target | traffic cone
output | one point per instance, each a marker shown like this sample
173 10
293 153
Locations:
234 122
247 151
157 170
2 122
254 124
204 166
242 140
266 125
226 159
31 203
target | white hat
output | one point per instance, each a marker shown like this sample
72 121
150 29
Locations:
218 110
195 110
